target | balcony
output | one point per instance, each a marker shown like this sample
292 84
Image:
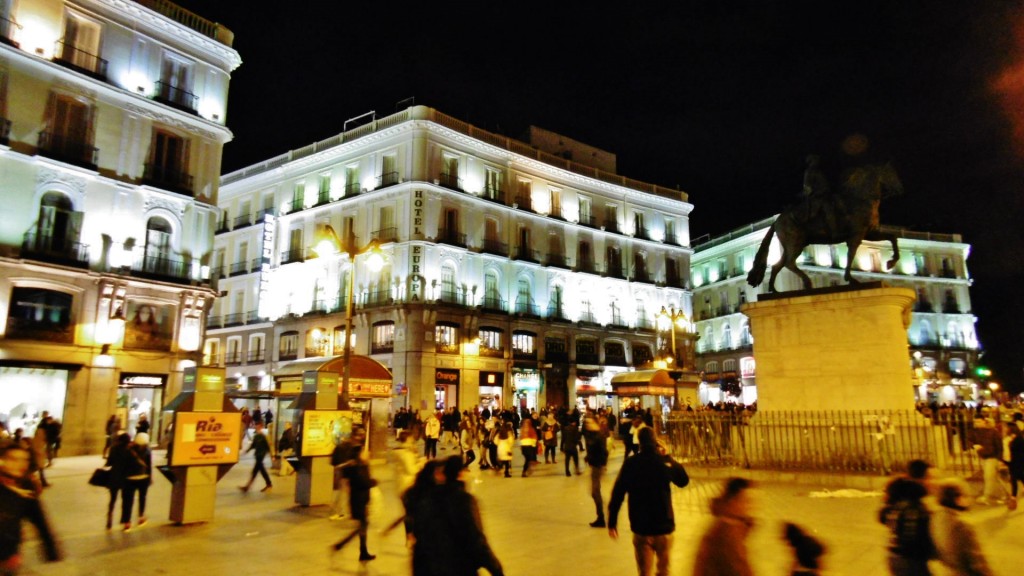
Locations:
222 226
378 298
495 247
924 306
284 355
494 304
67 149
157 267
642 275
645 324
169 178
642 234
54 250
252 316
242 221
451 237
558 261
556 312
556 212
7 28
385 235
233 319
5 131
614 270
176 97
238 268
672 280
493 194
387 179
454 297
612 226
296 205
326 306
527 255
75 58
587 265
255 357
588 221
527 308
323 197
524 203
261 216
951 307
449 180
293 255
233 358
352 189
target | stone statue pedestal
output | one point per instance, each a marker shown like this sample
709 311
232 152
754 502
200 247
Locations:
838 348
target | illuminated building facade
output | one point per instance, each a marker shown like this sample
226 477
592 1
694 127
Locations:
515 273
111 129
942 340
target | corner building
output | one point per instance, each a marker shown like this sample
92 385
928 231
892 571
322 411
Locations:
111 129
943 347
515 273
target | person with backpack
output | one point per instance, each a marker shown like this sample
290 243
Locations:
908 520
549 434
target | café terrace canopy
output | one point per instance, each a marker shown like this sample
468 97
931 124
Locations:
644 383
367 379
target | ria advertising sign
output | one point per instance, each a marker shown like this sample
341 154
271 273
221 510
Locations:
206 438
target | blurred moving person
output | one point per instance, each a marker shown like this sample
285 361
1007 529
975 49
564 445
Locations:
19 501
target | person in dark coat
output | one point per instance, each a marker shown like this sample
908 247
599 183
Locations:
904 513
19 500
447 532
261 446
571 444
111 431
117 461
357 473
647 478
596 437
138 478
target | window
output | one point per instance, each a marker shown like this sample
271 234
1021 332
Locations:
957 367
615 354
450 172
670 231
556 308
68 135
611 218
298 197
587 351
639 231
318 342
525 251
383 339
614 261
158 248
642 354
256 351
492 184
40 314
288 346
211 352
586 211
386 230
523 195
727 337
234 353
446 338
524 301
449 290
58 228
556 203
524 344
168 162
450 232
80 46
556 349
242 259
352 184
294 253
491 344
324 191
492 295
388 170
175 84
586 257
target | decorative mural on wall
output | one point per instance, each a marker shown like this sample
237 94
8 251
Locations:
149 326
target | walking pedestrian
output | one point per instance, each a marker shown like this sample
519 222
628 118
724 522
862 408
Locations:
956 543
528 444
261 447
117 461
111 430
571 444
989 447
549 435
39 446
1015 460
19 501
807 551
448 537
357 473
723 548
597 458
138 478
904 512
467 438
504 443
431 434
647 479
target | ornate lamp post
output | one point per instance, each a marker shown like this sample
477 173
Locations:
330 244
669 319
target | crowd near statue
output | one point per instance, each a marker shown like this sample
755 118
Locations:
848 216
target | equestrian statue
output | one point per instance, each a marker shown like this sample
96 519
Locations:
848 216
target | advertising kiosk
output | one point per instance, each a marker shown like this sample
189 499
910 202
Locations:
206 440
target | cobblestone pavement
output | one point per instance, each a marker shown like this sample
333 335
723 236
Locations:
536 525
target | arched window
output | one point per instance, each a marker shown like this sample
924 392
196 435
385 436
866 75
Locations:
524 344
288 345
727 337
729 365
158 248
492 294
524 299
449 289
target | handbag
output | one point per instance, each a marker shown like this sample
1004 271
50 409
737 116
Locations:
100 477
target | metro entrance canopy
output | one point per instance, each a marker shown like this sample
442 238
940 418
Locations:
369 378
644 383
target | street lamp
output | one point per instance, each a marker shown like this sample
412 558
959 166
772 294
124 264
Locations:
327 245
668 320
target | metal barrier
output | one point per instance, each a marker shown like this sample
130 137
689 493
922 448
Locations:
859 442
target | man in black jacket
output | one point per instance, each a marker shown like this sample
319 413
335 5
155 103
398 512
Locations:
596 435
647 478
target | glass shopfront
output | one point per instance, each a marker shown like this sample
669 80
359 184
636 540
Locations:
139 398
25 393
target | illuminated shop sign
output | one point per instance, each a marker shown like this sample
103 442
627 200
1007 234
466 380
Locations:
446 376
143 380
526 379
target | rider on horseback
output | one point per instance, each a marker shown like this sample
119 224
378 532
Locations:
814 192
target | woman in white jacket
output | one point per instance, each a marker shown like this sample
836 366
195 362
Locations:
506 441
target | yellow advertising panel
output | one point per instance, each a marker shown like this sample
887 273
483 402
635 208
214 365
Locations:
322 428
206 438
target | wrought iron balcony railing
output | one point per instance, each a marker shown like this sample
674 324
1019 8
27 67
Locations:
495 304
71 56
386 235
527 255
449 180
387 179
452 237
495 247
242 221
352 189
524 203
493 194
67 149
169 178
176 97
48 248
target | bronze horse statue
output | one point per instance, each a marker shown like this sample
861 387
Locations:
849 216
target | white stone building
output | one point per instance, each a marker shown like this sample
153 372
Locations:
943 344
111 129
515 273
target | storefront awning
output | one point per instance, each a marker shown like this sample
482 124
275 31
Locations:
644 383
368 378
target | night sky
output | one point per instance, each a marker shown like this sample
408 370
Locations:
723 99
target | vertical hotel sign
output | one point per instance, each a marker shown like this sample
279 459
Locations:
416 278
269 230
